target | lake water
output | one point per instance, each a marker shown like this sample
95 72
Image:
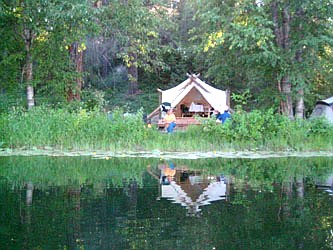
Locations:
151 203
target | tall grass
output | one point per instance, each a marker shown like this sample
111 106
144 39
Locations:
93 130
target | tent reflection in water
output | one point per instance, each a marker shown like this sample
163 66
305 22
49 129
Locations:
191 188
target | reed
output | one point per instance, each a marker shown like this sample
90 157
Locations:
93 130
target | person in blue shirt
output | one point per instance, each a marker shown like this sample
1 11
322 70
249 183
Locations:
223 117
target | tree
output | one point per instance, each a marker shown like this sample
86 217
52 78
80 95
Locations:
265 44
11 57
78 18
302 31
36 23
135 26
29 19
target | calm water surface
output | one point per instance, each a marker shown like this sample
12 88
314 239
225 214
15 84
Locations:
135 203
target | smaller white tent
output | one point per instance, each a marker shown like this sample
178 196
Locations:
216 98
324 108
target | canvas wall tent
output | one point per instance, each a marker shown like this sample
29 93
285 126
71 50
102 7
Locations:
324 108
193 93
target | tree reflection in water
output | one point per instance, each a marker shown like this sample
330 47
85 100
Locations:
84 203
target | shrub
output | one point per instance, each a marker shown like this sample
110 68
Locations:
92 129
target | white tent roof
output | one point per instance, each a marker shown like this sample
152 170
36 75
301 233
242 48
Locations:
215 97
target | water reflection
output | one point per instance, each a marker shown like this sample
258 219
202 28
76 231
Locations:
191 188
326 185
84 203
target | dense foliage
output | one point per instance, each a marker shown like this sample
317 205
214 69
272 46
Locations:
270 203
83 130
84 57
52 52
280 50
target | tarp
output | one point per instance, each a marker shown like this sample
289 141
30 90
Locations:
215 97
324 108
328 101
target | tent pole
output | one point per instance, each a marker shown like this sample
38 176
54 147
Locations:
228 97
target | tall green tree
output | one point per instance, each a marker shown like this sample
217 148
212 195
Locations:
136 26
281 46
36 24
10 52
29 20
76 20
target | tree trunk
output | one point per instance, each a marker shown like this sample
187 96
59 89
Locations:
300 187
29 193
277 29
282 38
300 107
286 103
287 190
28 70
76 54
285 27
28 80
74 197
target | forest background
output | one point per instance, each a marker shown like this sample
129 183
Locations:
275 56
269 53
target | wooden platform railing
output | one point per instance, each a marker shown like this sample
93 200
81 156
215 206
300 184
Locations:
182 122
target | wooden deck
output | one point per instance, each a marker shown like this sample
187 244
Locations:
182 122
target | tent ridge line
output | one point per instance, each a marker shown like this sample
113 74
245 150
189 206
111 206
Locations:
183 89
202 87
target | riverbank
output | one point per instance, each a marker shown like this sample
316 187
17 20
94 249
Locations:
87 131
106 155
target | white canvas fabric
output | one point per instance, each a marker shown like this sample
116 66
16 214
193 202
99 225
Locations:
328 101
324 108
215 97
215 191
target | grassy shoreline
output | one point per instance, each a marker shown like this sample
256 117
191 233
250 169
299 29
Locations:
43 128
193 155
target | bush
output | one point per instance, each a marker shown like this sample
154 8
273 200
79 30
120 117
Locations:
320 126
62 128
91 129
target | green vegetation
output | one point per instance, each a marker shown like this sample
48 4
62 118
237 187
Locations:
94 130
46 171
58 171
54 52
271 204
81 56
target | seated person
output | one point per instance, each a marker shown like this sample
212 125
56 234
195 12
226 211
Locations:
170 121
165 106
168 172
213 113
